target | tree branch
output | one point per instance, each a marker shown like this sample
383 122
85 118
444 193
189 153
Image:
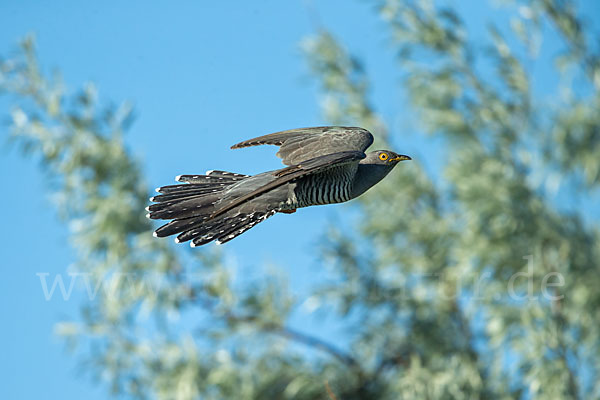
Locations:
312 341
277 329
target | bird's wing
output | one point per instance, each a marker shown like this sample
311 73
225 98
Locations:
298 145
293 172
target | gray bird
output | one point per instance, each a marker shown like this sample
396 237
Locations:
325 165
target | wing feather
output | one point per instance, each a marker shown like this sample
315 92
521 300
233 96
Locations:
298 145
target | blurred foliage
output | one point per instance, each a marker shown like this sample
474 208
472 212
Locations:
131 334
460 295
479 284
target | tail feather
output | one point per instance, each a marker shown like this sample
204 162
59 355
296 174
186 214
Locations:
205 232
188 199
190 206
224 229
180 225
211 176
184 208
190 232
193 186
249 222
170 205
185 193
225 174
208 232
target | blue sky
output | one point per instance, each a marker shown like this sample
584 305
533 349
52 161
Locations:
202 76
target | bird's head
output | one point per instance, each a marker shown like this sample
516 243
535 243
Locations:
385 158
373 168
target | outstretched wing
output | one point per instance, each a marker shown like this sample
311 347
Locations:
298 145
285 175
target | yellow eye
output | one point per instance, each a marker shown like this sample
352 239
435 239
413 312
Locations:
383 156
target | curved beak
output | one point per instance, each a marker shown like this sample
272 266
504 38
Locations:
400 157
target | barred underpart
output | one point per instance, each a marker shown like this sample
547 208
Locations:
331 186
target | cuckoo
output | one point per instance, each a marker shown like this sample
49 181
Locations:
325 165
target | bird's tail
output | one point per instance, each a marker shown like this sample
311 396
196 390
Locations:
190 207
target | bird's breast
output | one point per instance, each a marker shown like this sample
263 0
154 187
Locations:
327 187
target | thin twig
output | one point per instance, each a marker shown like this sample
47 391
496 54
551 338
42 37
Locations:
316 343
330 392
280 330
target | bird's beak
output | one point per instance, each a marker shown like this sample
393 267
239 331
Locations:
401 157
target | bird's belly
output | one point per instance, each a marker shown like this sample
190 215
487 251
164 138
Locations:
325 188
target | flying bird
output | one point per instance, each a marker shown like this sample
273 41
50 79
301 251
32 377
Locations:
325 165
